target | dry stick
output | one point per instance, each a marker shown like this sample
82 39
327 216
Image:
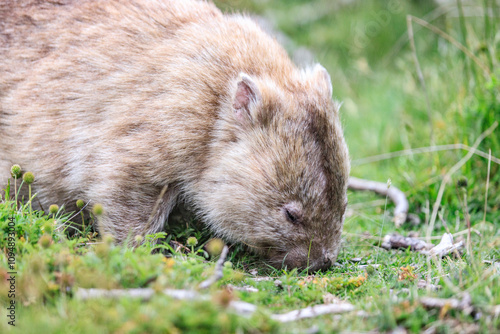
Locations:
448 175
487 185
420 75
241 308
218 274
313 311
396 196
419 150
445 247
398 241
453 303
453 41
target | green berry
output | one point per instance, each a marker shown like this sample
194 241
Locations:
28 177
228 264
192 241
80 204
108 239
102 249
15 171
45 241
53 209
214 246
48 227
97 209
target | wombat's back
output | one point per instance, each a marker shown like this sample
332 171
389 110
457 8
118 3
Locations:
31 30
68 68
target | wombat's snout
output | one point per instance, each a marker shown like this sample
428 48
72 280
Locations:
312 261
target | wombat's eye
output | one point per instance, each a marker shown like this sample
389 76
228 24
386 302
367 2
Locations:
291 217
293 212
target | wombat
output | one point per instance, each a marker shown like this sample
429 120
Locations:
136 104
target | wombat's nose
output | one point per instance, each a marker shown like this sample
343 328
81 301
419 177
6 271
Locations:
321 264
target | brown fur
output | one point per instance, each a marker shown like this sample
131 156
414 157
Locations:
111 100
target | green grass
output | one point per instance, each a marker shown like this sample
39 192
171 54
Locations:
363 46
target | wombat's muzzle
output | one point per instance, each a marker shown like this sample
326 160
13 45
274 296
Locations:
311 261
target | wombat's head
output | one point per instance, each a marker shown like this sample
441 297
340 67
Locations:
277 173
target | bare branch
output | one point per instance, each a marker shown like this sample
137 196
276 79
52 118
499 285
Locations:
445 246
396 196
453 303
396 241
144 294
313 311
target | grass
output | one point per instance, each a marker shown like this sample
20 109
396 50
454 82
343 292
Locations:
365 48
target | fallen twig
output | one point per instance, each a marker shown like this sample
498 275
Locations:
452 303
397 241
445 247
422 284
396 196
313 311
144 294
494 310
263 279
364 266
246 288
239 307
218 274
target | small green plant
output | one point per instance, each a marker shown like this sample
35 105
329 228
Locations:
97 210
29 178
80 204
191 242
53 209
16 173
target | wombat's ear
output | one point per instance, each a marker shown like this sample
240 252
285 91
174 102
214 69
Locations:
247 93
322 80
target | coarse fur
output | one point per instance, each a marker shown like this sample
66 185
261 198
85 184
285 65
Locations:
113 101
